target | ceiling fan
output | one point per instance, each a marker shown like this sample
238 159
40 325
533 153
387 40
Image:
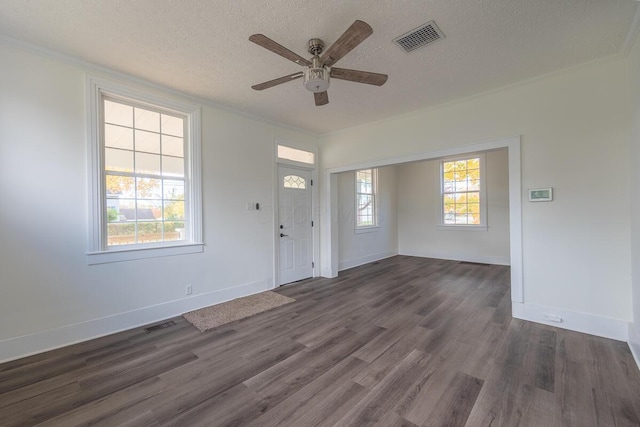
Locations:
319 69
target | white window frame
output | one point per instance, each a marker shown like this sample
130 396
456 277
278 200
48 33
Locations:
483 194
98 251
374 194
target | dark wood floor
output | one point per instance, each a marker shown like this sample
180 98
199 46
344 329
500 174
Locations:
401 342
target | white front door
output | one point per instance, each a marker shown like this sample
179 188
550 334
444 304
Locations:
294 226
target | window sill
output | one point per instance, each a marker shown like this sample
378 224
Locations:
454 227
371 229
119 255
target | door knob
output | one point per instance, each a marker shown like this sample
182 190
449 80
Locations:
284 235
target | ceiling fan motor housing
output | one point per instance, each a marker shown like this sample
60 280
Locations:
316 79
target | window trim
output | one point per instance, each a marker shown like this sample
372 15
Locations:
98 253
374 192
483 194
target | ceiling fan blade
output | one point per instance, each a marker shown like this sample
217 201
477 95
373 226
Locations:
267 43
359 76
322 98
355 34
278 81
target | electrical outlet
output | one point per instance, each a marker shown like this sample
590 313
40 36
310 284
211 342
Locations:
552 318
188 290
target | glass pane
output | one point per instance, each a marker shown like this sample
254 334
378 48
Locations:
461 208
449 208
117 113
364 175
364 202
173 190
296 155
173 210
461 219
294 181
474 185
119 186
172 146
172 166
121 234
448 187
461 186
112 213
172 125
147 141
147 120
126 208
449 176
149 232
474 208
448 166
174 231
473 197
473 163
148 210
118 160
449 218
148 188
460 165
148 163
118 137
474 218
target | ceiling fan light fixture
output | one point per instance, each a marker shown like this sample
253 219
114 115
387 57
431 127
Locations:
319 69
316 79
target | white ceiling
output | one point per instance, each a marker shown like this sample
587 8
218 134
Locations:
201 47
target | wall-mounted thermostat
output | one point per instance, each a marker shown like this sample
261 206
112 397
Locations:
541 194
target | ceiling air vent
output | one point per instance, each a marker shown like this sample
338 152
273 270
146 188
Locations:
419 37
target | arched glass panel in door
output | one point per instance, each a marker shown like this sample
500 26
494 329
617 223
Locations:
295 181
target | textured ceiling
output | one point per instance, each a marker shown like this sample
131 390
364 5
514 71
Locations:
202 48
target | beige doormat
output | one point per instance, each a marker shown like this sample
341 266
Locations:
220 314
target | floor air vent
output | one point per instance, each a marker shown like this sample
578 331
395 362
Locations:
419 37
160 326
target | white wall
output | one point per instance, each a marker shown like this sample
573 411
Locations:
419 233
634 143
574 127
50 296
377 243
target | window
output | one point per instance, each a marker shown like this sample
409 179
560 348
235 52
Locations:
366 183
294 181
463 201
296 155
145 178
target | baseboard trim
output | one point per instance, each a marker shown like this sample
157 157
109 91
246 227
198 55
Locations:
345 265
40 342
572 320
497 260
634 343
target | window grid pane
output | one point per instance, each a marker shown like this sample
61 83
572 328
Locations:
144 185
461 192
